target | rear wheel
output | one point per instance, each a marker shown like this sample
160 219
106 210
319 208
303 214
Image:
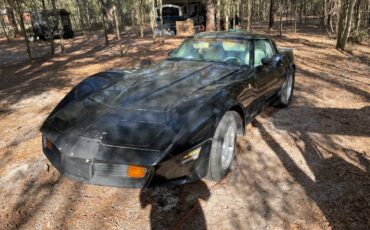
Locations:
286 93
223 146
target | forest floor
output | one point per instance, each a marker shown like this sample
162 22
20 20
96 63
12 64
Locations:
304 167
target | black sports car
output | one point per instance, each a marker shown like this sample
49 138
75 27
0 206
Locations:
175 121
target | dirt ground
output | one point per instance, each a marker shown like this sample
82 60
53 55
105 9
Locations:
304 167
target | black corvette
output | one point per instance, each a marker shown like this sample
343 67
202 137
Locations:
172 122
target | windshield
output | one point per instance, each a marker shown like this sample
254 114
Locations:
215 50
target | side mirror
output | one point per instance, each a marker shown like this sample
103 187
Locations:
170 53
267 61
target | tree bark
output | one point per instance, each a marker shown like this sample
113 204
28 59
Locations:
300 11
59 28
218 15
152 17
347 29
281 21
358 16
43 4
249 15
246 14
324 13
141 18
5 28
272 14
104 24
341 22
120 15
12 18
344 24
107 8
20 13
161 17
227 13
117 31
87 13
210 15
81 15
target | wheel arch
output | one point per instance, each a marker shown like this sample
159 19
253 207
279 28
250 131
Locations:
238 108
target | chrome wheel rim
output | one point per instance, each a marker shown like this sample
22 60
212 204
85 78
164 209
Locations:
228 147
289 87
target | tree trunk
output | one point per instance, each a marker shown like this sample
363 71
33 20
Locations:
305 11
249 14
43 4
12 18
107 8
295 22
227 13
281 21
81 15
20 13
87 13
210 24
51 35
161 17
5 28
141 18
324 13
300 11
218 15
152 17
120 15
348 24
358 16
234 16
59 28
246 14
341 22
272 14
104 24
117 31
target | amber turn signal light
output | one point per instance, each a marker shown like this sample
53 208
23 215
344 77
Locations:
49 144
136 171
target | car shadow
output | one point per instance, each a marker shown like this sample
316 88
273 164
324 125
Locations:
339 187
176 206
327 121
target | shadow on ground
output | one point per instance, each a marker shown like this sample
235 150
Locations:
176 207
340 189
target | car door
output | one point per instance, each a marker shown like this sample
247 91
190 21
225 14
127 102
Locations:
280 66
265 76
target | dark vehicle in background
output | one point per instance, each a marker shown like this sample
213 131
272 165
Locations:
173 122
171 14
45 23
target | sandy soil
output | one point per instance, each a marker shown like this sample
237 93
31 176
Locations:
304 167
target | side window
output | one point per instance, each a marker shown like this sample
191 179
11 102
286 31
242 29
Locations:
262 48
269 49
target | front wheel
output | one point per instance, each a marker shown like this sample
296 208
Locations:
286 93
223 146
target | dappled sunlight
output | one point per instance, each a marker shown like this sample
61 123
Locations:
303 167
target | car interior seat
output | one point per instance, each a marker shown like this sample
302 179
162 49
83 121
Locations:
259 52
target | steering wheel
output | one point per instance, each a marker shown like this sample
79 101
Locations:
233 58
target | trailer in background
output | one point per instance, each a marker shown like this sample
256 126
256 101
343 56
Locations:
49 23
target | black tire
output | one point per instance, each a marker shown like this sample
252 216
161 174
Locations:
217 168
284 97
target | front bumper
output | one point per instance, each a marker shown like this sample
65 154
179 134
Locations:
96 172
109 173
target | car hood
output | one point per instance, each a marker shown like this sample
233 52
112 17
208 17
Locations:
160 87
137 110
